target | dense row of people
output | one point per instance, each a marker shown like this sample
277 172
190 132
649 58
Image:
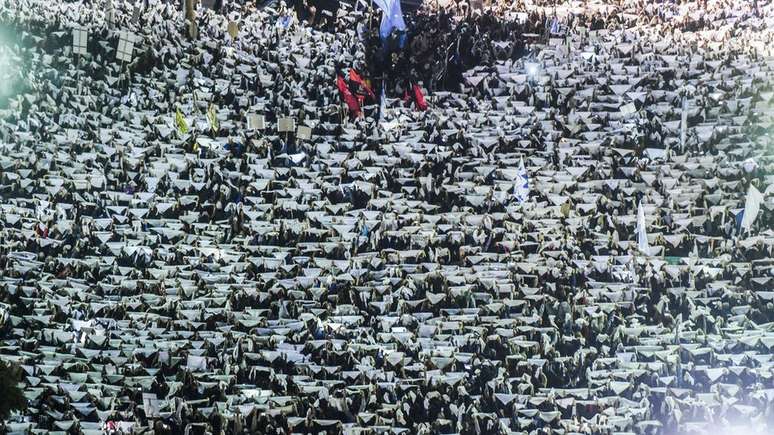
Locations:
206 239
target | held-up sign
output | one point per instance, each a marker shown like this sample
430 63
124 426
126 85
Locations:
303 132
255 122
80 40
285 125
125 46
233 29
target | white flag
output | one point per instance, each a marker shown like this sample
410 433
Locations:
751 207
522 183
642 235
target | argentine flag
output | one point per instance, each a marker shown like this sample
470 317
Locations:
392 17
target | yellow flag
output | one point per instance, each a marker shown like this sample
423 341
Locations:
212 116
182 126
233 29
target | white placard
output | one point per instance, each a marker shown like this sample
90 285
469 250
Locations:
80 40
125 46
286 125
255 121
303 132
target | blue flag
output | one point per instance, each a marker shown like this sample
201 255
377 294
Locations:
392 17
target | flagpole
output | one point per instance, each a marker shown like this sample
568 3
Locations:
78 72
370 15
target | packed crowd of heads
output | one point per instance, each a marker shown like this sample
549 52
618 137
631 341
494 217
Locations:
171 262
446 38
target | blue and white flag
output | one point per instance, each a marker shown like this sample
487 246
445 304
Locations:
522 183
392 17
554 26
284 21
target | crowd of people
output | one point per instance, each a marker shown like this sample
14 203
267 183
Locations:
446 38
570 236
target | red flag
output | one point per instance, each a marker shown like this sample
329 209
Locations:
355 77
350 99
419 98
